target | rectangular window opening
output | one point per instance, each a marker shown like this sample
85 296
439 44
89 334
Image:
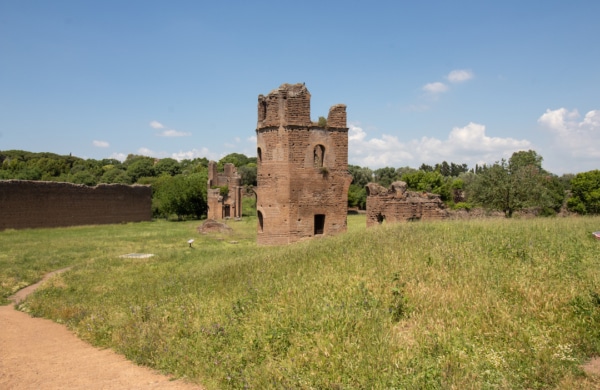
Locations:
319 224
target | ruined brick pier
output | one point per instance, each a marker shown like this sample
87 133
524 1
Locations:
302 168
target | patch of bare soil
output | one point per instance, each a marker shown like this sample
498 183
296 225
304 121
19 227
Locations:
592 368
37 353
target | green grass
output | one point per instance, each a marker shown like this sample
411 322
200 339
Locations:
458 304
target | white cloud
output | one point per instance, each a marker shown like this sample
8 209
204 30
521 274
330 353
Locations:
435 88
173 133
454 77
252 139
473 138
194 153
468 144
156 125
572 137
119 156
143 151
168 133
356 134
100 144
181 155
459 76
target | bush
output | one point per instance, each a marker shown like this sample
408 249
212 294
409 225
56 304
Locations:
585 188
462 206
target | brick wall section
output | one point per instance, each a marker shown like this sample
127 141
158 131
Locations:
337 116
39 204
288 105
298 183
396 204
230 205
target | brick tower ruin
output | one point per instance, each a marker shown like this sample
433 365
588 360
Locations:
302 168
224 192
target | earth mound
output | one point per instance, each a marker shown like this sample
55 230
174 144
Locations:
212 226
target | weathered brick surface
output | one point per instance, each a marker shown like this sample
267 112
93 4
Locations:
396 204
302 169
337 116
230 205
289 105
36 204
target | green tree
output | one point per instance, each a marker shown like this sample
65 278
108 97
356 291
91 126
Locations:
182 195
517 184
84 177
357 196
360 176
426 168
492 189
140 167
523 159
248 174
457 169
236 159
431 181
51 167
443 168
168 166
196 165
115 175
27 173
585 190
404 170
385 176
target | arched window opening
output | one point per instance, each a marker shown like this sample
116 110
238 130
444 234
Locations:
319 156
259 154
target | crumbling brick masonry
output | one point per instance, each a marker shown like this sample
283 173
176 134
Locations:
396 204
302 168
40 204
224 205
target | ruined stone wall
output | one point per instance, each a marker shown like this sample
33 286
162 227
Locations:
39 204
302 172
396 204
227 206
337 116
288 105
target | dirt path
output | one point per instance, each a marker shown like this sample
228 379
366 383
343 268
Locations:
36 353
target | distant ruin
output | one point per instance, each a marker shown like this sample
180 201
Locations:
224 192
397 204
302 168
41 204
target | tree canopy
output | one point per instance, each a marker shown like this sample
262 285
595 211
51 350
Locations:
517 184
585 188
509 186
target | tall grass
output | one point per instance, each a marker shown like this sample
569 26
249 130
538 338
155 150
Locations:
461 304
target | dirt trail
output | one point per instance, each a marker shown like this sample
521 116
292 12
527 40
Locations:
36 353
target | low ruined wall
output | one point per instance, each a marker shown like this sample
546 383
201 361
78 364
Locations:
36 204
397 204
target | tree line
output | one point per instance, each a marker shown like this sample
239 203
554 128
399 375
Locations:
507 185
179 187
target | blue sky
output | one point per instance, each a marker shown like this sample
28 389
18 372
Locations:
424 81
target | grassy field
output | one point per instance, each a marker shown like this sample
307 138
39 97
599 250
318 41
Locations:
459 304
